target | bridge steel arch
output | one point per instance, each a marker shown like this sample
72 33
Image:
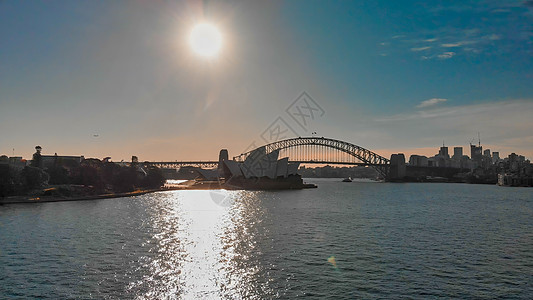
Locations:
378 162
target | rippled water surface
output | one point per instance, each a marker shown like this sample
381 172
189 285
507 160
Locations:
342 240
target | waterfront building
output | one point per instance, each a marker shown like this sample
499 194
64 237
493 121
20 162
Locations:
257 165
209 174
282 167
232 167
260 170
516 171
418 161
397 166
260 164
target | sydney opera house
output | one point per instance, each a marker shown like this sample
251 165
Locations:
260 170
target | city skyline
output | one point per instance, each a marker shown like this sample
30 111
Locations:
119 79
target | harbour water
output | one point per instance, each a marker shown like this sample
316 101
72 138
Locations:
362 240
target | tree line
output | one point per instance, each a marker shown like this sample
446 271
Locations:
95 175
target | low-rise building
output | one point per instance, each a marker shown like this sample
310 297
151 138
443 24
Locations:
418 160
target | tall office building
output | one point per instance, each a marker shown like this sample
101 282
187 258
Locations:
444 151
457 152
495 156
487 159
476 154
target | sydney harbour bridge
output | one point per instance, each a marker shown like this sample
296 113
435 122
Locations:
307 150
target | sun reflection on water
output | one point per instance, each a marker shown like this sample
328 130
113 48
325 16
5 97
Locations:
203 249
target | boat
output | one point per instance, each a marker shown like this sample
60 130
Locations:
349 179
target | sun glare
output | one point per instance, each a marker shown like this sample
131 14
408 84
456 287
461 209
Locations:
205 40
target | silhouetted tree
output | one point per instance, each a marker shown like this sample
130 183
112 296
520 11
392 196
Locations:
6 181
109 172
33 177
88 175
154 178
125 180
58 175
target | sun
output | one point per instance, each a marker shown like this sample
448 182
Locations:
205 40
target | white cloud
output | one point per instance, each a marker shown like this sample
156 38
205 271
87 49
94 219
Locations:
458 44
500 32
501 10
420 49
446 55
504 110
504 125
451 45
472 50
431 102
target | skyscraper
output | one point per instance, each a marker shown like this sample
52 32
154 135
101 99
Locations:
476 154
495 156
444 151
487 158
457 152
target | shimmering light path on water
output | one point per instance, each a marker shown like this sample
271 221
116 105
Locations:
344 240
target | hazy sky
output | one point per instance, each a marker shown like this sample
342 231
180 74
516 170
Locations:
118 78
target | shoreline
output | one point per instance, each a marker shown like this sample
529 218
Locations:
45 199
188 185
167 187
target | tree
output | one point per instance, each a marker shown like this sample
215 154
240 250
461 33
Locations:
109 172
58 175
6 180
88 176
125 180
154 178
33 177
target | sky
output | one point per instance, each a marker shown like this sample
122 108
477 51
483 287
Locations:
119 78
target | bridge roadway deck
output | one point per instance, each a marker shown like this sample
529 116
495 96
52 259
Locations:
174 164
